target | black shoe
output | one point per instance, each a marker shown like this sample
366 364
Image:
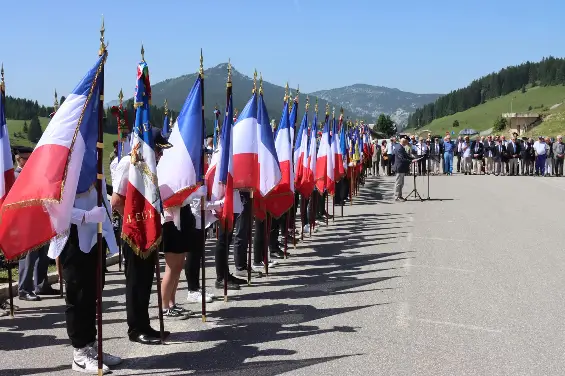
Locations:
238 281
231 286
48 291
144 339
30 297
155 333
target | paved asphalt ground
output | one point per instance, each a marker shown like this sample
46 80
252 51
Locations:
470 285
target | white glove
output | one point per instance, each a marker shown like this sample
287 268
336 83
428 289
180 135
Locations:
95 215
216 205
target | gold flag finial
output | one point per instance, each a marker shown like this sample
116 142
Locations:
307 103
333 112
2 81
341 112
121 97
166 108
229 72
254 82
327 109
201 71
286 92
260 83
102 45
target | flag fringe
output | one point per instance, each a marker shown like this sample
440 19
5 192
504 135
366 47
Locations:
21 256
137 250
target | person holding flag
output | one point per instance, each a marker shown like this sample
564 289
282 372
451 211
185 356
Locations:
136 196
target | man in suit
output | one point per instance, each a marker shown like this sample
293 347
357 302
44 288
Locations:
402 162
436 150
499 151
513 153
558 154
489 147
459 153
477 153
32 274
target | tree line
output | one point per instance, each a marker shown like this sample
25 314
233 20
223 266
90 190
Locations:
548 72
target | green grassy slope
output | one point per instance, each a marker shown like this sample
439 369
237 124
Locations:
482 117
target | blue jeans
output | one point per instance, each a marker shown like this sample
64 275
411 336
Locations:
448 162
540 164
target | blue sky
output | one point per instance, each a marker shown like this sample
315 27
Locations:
414 45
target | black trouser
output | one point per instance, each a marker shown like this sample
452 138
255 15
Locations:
139 280
32 273
260 237
376 167
558 166
79 273
193 260
240 236
458 157
320 203
389 165
304 211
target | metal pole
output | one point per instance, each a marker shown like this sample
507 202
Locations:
10 292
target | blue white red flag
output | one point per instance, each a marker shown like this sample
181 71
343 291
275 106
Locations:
180 169
7 174
39 206
245 148
142 211
301 151
281 199
308 183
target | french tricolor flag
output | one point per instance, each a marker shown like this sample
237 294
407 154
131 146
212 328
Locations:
292 120
308 183
142 209
281 198
39 206
339 166
180 168
268 163
225 168
324 164
301 151
245 148
7 178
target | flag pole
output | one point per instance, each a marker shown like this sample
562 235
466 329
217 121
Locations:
120 241
157 263
226 148
100 146
266 243
203 198
10 292
8 262
251 203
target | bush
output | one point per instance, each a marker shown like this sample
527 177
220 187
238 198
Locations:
455 123
530 108
499 124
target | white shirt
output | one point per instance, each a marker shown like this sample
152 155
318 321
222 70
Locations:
539 148
389 149
87 232
466 152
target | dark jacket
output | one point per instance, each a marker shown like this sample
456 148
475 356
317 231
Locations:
498 152
509 150
480 151
402 161
489 146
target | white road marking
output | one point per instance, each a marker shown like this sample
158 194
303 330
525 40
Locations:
458 325
443 268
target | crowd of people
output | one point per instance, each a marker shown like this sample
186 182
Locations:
479 155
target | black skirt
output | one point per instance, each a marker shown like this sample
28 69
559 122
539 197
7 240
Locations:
176 241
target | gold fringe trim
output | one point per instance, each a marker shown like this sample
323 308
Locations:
35 248
71 148
137 250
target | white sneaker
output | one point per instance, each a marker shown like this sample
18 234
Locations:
196 297
85 362
107 359
208 294
306 229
